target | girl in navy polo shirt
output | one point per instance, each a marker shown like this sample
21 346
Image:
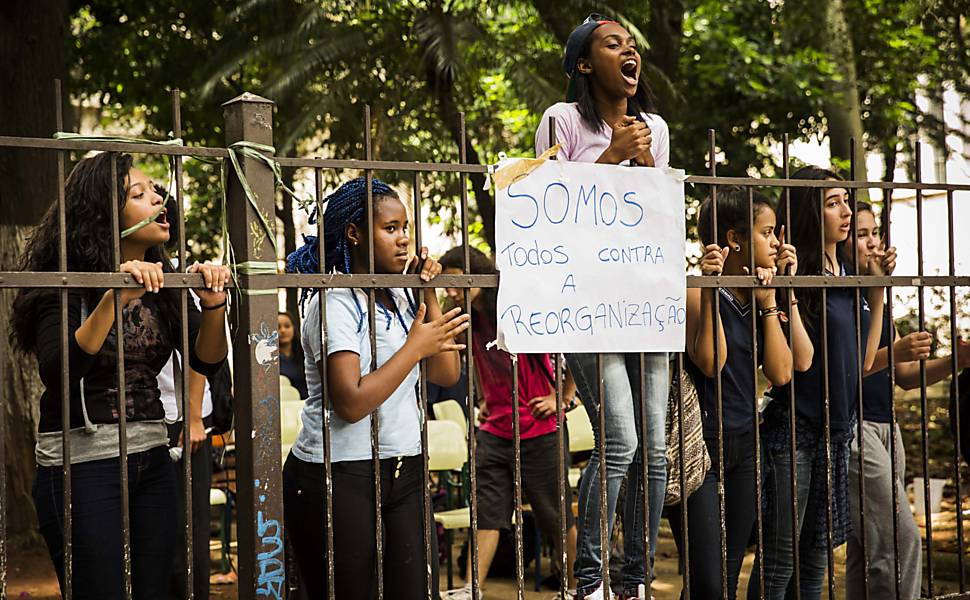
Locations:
819 217
730 253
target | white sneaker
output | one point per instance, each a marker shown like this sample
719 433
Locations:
569 595
598 594
641 594
462 593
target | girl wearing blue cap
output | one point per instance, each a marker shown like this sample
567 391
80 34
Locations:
608 118
406 333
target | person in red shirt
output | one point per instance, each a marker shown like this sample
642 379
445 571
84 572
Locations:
537 427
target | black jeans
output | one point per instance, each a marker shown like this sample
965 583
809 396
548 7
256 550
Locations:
704 530
355 550
96 524
201 482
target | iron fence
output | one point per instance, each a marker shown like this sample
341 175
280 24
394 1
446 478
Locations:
258 494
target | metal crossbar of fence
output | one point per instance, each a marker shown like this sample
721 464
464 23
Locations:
258 496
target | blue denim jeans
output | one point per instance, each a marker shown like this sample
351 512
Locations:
96 524
622 453
778 555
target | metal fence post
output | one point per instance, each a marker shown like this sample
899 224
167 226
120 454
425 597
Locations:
256 374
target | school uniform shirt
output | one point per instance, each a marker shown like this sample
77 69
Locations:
737 375
494 367
348 330
578 143
843 364
877 396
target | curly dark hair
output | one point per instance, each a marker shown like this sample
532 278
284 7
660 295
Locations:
87 204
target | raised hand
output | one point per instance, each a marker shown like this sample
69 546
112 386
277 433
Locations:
147 274
215 278
712 263
437 336
913 346
631 140
787 256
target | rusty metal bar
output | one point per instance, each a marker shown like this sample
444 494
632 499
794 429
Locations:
65 355
517 480
107 146
324 388
122 401
718 390
792 415
891 366
256 378
685 545
755 416
375 425
924 412
184 405
860 349
644 465
426 507
561 479
811 183
826 401
606 538
469 362
3 469
955 391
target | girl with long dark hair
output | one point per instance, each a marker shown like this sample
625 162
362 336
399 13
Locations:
820 226
608 117
151 327
406 332
291 353
731 251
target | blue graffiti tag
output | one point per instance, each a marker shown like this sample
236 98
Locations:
271 573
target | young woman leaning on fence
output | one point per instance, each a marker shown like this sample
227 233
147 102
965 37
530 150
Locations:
151 328
729 252
407 330
820 225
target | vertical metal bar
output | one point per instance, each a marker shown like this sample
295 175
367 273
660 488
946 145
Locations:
561 475
685 545
122 398
826 407
470 364
3 470
954 390
184 350
517 480
718 390
606 538
327 451
372 323
426 507
65 367
792 420
755 416
924 412
256 385
561 447
644 467
897 571
860 351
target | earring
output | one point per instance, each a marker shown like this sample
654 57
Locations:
737 247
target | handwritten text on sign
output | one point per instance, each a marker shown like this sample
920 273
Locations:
592 259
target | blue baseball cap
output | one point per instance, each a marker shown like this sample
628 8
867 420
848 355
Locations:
574 47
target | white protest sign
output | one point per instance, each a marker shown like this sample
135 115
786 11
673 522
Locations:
592 259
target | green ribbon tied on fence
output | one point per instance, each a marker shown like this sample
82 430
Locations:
147 221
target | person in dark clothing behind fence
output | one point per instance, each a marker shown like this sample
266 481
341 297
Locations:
406 333
291 354
152 329
819 217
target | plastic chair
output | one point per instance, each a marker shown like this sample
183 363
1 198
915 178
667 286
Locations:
450 410
290 420
447 451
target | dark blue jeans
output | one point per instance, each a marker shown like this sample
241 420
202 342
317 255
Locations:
96 524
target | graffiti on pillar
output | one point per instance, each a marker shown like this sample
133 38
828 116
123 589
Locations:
270 579
265 344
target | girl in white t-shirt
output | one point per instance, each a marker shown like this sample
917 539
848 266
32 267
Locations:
405 333
608 118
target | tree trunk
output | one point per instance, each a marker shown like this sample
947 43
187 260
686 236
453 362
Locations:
841 106
33 46
665 31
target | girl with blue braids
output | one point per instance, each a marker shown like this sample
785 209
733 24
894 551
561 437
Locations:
408 330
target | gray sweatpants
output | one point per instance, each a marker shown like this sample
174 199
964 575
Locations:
878 520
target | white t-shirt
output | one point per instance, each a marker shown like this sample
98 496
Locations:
348 331
166 385
578 143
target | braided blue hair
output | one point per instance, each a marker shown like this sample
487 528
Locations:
346 206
